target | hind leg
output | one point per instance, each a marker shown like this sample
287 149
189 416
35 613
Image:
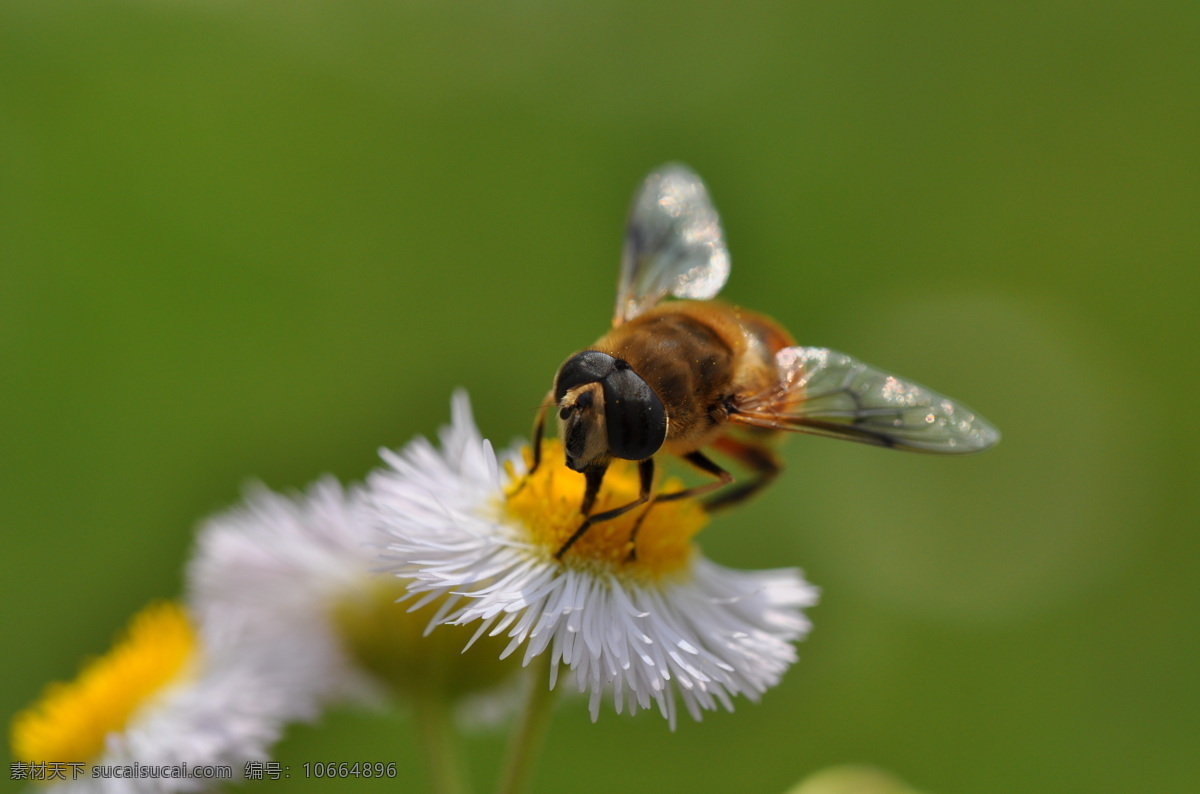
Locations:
758 458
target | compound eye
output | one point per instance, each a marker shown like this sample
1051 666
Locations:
589 366
635 417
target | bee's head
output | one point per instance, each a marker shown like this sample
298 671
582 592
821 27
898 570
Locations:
606 410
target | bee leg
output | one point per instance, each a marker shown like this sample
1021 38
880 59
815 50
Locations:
539 430
594 478
632 555
758 459
700 461
706 465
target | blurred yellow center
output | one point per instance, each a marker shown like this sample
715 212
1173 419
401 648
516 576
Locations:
68 724
547 503
396 646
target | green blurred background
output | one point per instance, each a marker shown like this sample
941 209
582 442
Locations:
263 239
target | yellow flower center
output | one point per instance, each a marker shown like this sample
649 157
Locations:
68 724
547 504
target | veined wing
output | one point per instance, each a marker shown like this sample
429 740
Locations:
832 394
673 244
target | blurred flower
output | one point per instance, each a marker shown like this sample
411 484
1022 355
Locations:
666 624
302 568
852 779
168 693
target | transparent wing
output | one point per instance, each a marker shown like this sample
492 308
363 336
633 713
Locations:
828 393
673 244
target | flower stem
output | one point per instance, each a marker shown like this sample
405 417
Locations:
526 741
439 744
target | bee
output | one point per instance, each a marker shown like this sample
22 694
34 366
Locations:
680 377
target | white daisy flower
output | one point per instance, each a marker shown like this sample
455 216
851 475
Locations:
281 564
665 626
169 698
303 568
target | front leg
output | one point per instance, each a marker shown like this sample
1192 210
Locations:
539 430
594 477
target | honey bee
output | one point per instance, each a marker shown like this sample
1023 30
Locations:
681 376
